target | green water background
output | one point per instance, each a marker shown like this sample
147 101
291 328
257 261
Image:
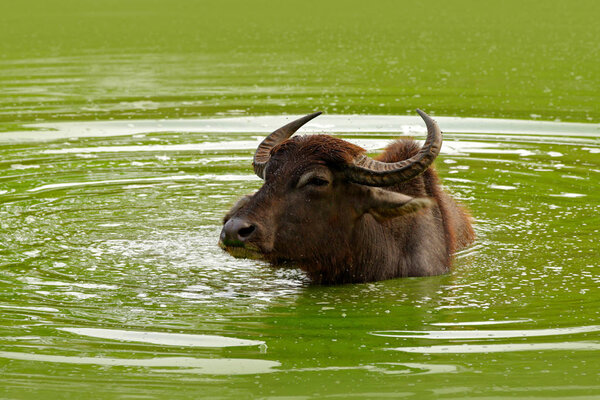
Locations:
136 59
93 272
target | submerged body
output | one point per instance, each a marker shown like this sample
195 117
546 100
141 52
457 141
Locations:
343 217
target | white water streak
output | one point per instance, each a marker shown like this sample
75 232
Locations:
487 334
163 338
212 177
499 348
408 125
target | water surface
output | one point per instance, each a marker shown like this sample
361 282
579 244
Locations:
111 278
127 130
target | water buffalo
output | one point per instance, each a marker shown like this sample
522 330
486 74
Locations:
344 217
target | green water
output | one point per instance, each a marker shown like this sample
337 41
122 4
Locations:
111 281
85 59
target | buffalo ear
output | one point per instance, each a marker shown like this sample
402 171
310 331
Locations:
384 204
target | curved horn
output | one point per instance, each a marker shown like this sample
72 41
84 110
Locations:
263 152
366 171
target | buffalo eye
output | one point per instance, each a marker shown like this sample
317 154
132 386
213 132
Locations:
316 181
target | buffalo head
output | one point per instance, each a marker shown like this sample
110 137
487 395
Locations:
321 197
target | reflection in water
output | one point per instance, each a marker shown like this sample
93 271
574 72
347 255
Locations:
391 368
210 177
501 348
215 366
331 123
224 366
477 323
485 334
167 339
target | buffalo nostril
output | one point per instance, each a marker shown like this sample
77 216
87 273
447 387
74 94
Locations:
246 231
237 231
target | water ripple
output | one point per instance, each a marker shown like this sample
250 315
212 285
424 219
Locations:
487 334
501 348
164 338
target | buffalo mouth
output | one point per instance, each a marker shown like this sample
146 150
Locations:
241 250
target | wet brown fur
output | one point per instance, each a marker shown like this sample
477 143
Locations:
326 237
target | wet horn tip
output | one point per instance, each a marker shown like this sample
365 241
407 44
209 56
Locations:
422 113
